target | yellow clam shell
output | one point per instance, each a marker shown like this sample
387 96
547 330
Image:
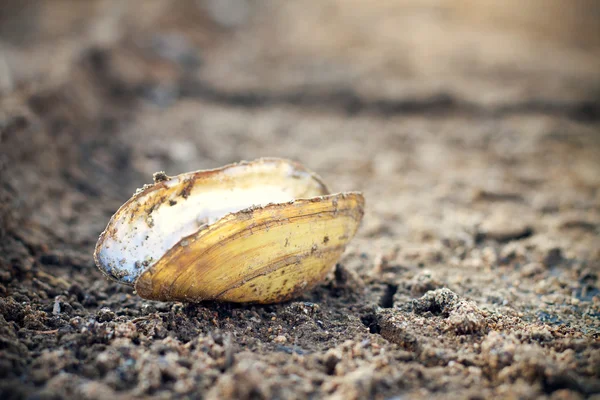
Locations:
262 231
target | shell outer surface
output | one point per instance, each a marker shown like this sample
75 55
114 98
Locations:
263 255
260 231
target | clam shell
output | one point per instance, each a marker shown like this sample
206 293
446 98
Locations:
261 231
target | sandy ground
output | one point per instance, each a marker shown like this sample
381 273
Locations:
472 128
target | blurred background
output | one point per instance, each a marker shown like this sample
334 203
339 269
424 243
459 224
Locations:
473 127
478 50
447 96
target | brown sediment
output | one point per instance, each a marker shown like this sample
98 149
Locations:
430 301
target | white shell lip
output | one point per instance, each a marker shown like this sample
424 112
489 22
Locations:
160 215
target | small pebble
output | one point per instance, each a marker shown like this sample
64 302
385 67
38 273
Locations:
105 315
280 339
